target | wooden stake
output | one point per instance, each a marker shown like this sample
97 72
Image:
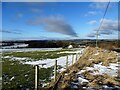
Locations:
36 76
72 59
76 56
66 62
55 70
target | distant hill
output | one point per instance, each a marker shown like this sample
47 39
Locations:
108 44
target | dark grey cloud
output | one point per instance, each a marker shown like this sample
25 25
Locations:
109 24
92 35
54 24
106 32
10 32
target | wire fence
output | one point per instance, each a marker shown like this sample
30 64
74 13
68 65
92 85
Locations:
33 78
70 60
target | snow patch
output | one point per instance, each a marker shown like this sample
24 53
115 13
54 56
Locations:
12 78
96 53
111 70
29 49
60 61
82 80
50 62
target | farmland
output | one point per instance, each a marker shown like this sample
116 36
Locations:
18 66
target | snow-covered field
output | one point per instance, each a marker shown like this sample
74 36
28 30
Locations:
45 63
29 49
15 46
50 62
60 61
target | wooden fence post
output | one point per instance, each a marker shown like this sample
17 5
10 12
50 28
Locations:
55 70
36 76
79 54
76 56
67 62
72 59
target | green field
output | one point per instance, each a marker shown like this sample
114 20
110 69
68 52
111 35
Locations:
39 54
18 75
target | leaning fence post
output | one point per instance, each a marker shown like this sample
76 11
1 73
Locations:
79 54
76 56
55 70
66 62
36 76
72 59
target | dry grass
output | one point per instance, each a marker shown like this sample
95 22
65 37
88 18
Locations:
92 56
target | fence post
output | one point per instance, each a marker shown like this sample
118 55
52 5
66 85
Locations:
72 59
79 54
76 56
67 62
55 70
36 76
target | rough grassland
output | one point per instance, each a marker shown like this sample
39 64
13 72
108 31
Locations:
91 56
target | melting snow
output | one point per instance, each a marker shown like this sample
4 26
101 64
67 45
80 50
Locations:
29 49
96 53
12 78
78 51
17 58
111 70
81 71
50 62
82 80
60 61
6 57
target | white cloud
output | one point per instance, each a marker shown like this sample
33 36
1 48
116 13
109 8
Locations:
91 13
98 5
19 15
93 22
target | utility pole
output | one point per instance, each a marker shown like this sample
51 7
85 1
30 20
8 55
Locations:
97 40
97 34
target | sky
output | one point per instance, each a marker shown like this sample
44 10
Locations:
58 20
